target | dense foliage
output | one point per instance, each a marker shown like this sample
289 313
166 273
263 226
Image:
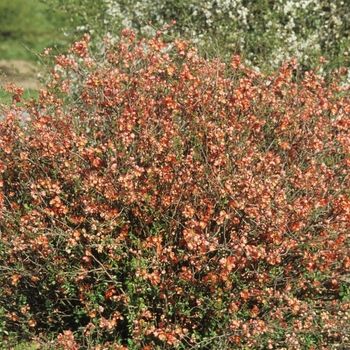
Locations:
157 200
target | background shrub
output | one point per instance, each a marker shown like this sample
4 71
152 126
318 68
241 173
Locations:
171 201
264 32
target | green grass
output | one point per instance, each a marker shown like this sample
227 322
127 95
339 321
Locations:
27 27
6 97
12 344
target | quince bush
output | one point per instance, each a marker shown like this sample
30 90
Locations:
157 200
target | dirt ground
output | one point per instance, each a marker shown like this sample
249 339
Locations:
22 73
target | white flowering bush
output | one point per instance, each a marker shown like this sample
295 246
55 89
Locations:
264 32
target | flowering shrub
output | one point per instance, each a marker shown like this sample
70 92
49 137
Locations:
265 33
170 201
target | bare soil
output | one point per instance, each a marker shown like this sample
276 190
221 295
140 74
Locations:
22 73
